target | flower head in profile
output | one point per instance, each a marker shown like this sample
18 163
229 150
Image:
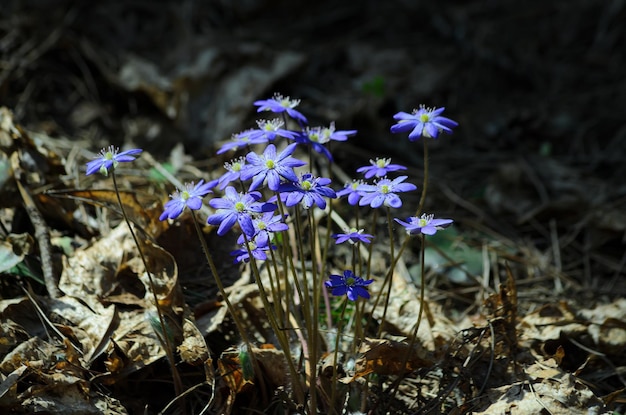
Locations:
311 137
190 196
237 207
379 168
258 252
326 134
272 129
353 236
243 139
426 224
264 228
279 104
384 192
351 190
271 167
348 284
233 172
109 158
423 122
308 190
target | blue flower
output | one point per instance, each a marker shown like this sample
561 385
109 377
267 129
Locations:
109 158
384 192
243 139
271 129
190 196
233 172
349 284
308 190
326 134
427 224
279 104
310 137
352 236
237 207
258 252
423 122
351 190
379 168
264 227
271 166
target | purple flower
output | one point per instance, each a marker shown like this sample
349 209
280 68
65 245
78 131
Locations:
271 167
258 252
190 196
243 139
264 227
234 169
237 207
423 122
310 137
271 129
426 225
351 189
323 135
379 168
384 192
109 158
279 104
352 236
349 284
308 190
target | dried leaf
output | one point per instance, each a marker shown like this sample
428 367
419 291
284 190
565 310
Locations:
387 357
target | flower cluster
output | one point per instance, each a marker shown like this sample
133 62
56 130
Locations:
275 169
260 182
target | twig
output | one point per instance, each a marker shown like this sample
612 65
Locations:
43 239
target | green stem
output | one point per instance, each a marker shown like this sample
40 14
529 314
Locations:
280 334
425 184
419 317
169 350
335 355
389 276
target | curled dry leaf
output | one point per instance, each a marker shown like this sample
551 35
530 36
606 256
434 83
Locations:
387 357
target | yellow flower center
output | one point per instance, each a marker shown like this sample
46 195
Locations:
269 164
384 189
240 206
307 185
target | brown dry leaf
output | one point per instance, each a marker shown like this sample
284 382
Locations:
548 389
237 376
164 272
403 311
91 326
193 350
387 357
549 322
142 211
91 274
133 346
607 326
